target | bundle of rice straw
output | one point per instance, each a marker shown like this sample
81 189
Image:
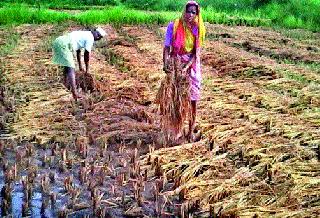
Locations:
85 81
173 98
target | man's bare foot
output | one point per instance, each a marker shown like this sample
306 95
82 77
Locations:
175 139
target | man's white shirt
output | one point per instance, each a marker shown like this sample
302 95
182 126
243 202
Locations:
82 39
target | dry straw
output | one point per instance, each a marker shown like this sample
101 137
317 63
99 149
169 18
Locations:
174 98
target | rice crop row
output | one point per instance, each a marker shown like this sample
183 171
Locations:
20 14
287 13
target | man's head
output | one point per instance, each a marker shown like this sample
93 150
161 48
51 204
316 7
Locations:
99 33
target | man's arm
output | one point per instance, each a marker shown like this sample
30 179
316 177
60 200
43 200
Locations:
86 60
79 59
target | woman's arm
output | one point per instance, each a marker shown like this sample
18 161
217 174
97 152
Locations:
166 57
189 64
167 47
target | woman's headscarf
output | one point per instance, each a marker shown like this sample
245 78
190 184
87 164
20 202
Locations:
184 40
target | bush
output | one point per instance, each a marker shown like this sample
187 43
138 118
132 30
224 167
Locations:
101 2
259 3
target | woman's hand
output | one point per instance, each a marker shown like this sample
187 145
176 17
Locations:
186 67
166 59
166 68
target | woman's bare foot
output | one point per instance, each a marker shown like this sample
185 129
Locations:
175 139
75 96
179 139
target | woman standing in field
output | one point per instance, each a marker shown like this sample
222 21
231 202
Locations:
63 53
184 38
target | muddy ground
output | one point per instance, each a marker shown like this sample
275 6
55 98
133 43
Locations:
105 156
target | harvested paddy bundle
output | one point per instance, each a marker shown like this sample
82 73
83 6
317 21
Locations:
86 82
173 98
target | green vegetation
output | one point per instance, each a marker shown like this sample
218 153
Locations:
295 13
19 14
285 13
295 76
282 90
213 16
121 15
63 4
297 34
313 66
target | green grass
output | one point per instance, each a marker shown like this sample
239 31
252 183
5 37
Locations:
298 34
121 15
313 66
295 76
211 15
20 14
